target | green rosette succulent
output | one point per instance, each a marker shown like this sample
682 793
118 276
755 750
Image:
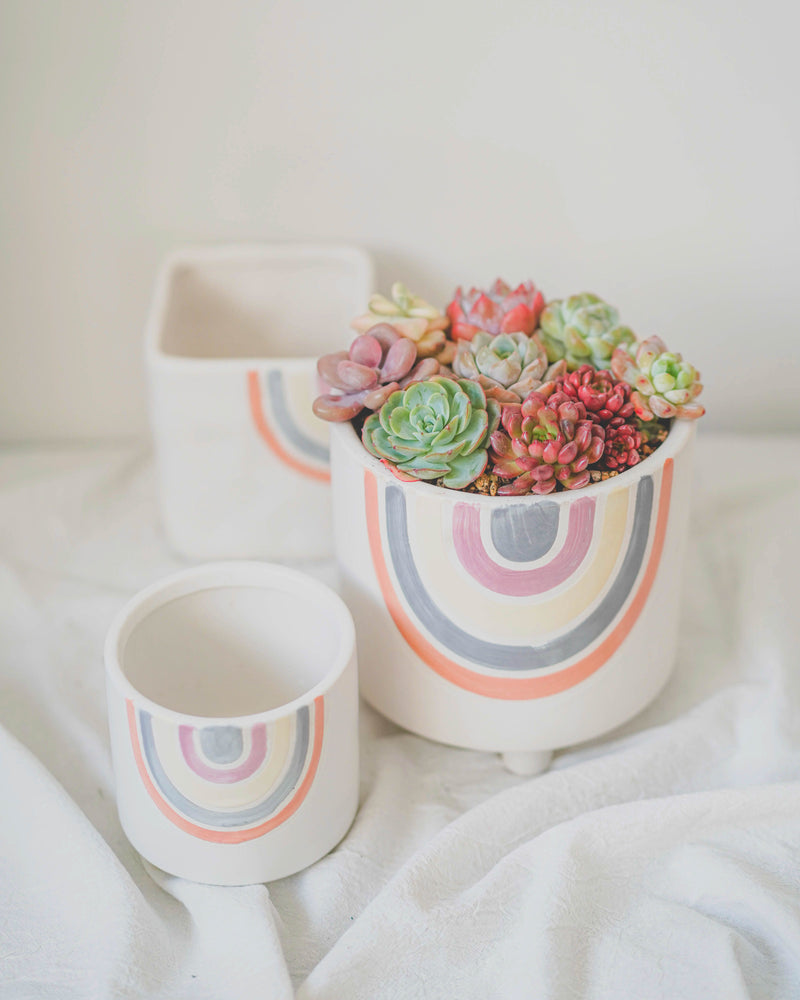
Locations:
437 429
583 329
509 366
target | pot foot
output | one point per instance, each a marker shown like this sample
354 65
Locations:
527 762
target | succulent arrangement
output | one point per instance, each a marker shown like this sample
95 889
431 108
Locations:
504 393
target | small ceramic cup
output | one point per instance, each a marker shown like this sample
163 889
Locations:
233 713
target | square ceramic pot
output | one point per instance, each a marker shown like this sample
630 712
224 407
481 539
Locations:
513 624
232 342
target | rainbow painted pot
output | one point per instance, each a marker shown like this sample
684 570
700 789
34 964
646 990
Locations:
232 342
512 624
234 726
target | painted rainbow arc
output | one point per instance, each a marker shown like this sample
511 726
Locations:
228 784
537 598
281 413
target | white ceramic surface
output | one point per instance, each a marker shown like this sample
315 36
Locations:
232 342
517 624
233 713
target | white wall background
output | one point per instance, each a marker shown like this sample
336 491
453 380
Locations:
645 150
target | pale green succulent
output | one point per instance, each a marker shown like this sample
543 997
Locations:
664 385
583 329
508 366
438 429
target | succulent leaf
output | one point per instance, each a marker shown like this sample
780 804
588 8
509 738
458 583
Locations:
367 351
398 360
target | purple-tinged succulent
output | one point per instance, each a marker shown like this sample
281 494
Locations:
377 364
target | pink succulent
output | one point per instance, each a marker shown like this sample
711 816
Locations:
378 363
498 310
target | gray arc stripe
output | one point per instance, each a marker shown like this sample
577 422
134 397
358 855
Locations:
221 744
227 820
496 655
283 418
523 533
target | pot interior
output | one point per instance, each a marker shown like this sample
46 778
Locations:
231 650
259 308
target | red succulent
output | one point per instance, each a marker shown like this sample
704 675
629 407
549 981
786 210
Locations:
623 442
548 439
603 396
498 310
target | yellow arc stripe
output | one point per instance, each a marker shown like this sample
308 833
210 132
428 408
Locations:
300 390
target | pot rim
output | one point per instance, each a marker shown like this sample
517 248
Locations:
681 433
203 255
218 576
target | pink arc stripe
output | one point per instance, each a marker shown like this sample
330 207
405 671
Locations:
255 758
514 582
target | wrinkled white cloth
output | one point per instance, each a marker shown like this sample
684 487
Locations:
660 862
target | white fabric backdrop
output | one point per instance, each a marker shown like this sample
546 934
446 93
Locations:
662 862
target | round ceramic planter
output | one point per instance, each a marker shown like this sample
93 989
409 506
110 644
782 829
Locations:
512 624
233 714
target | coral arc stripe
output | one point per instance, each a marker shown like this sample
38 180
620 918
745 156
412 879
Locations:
516 582
227 776
265 431
229 836
515 688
